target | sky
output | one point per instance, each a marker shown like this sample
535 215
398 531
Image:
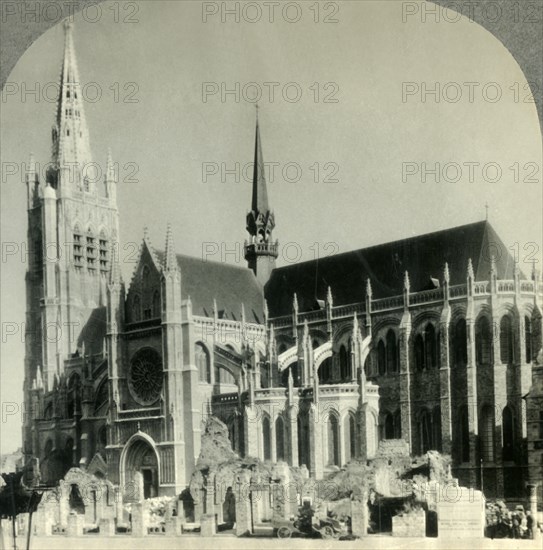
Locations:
352 133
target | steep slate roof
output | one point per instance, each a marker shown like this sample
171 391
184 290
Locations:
228 284
423 257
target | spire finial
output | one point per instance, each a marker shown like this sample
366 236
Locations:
68 25
470 269
406 282
295 303
39 379
446 274
329 298
171 262
492 264
369 290
486 211
257 107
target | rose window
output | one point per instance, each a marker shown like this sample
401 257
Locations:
146 376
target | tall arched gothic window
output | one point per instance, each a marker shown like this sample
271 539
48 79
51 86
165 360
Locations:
425 431
508 433
464 434
487 434
506 340
280 438
483 341
325 372
391 352
333 440
388 426
430 346
136 308
528 338
419 353
344 364
397 424
381 358
146 292
460 342
351 439
201 358
156 305
266 437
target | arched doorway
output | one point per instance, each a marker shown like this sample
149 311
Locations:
140 457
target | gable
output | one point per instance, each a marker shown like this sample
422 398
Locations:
143 296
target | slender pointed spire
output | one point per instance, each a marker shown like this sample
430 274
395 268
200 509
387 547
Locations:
329 298
406 282
39 379
71 145
295 303
446 273
369 290
171 258
260 193
471 275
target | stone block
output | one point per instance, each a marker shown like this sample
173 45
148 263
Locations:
139 520
412 524
107 527
208 526
43 523
461 514
75 525
173 526
359 518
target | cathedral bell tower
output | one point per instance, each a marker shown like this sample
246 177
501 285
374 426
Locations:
260 250
72 228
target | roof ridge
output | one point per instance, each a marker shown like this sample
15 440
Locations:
198 258
387 243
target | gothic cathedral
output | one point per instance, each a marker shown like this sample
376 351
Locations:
431 339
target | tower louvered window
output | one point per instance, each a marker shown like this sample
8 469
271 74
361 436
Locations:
91 252
78 249
102 244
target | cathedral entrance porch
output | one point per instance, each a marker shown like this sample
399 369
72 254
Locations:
139 463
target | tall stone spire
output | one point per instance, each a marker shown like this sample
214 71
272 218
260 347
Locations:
71 157
260 251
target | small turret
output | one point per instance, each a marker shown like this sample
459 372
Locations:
260 252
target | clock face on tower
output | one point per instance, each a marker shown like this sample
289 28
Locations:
145 378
